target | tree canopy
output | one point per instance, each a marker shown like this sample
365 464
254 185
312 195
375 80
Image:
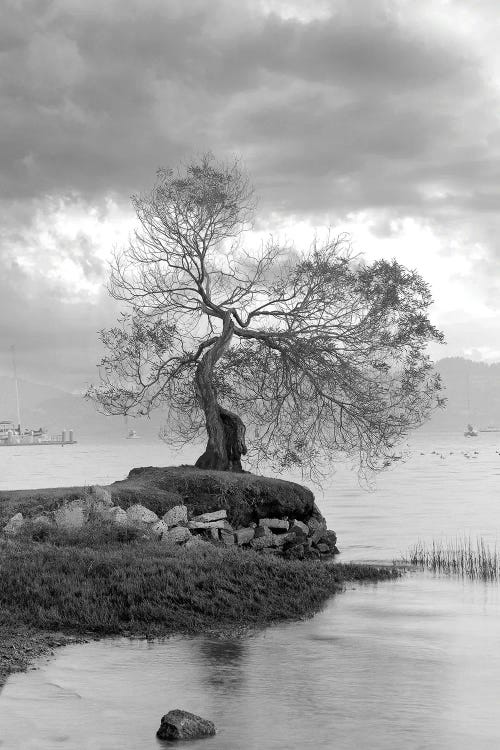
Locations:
287 356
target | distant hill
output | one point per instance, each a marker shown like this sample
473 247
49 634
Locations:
472 389
56 409
473 393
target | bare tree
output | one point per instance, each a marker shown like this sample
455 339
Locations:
318 352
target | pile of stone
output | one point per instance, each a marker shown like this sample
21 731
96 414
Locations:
284 537
287 537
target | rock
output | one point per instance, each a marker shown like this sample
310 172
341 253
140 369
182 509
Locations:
141 514
214 533
227 537
244 536
177 535
274 523
296 538
262 531
14 525
216 515
117 515
301 525
72 515
159 528
296 534
327 537
182 725
316 536
317 529
313 524
176 515
330 538
291 538
323 548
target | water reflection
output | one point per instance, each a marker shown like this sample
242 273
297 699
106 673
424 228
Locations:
223 664
413 663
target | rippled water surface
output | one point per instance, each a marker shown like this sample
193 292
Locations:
407 664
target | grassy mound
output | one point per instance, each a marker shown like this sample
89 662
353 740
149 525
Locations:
246 497
100 580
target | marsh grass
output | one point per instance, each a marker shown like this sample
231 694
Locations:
96 580
460 556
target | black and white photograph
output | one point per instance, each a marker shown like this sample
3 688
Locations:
250 374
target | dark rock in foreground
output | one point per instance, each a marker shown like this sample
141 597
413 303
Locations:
182 725
246 497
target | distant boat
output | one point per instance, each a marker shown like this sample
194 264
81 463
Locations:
11 435
470 431
132 435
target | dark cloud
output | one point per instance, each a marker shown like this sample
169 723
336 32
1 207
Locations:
389 108
97 95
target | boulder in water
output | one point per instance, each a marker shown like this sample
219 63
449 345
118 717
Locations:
182 725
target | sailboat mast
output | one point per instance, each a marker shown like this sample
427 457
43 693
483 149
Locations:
16 385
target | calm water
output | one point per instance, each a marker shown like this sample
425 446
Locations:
413 663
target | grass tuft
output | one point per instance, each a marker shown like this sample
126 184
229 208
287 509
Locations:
459 556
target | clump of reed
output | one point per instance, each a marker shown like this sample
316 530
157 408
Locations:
460 556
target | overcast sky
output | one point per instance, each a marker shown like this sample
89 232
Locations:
378 117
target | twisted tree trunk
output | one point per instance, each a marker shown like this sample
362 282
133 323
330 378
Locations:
226 431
